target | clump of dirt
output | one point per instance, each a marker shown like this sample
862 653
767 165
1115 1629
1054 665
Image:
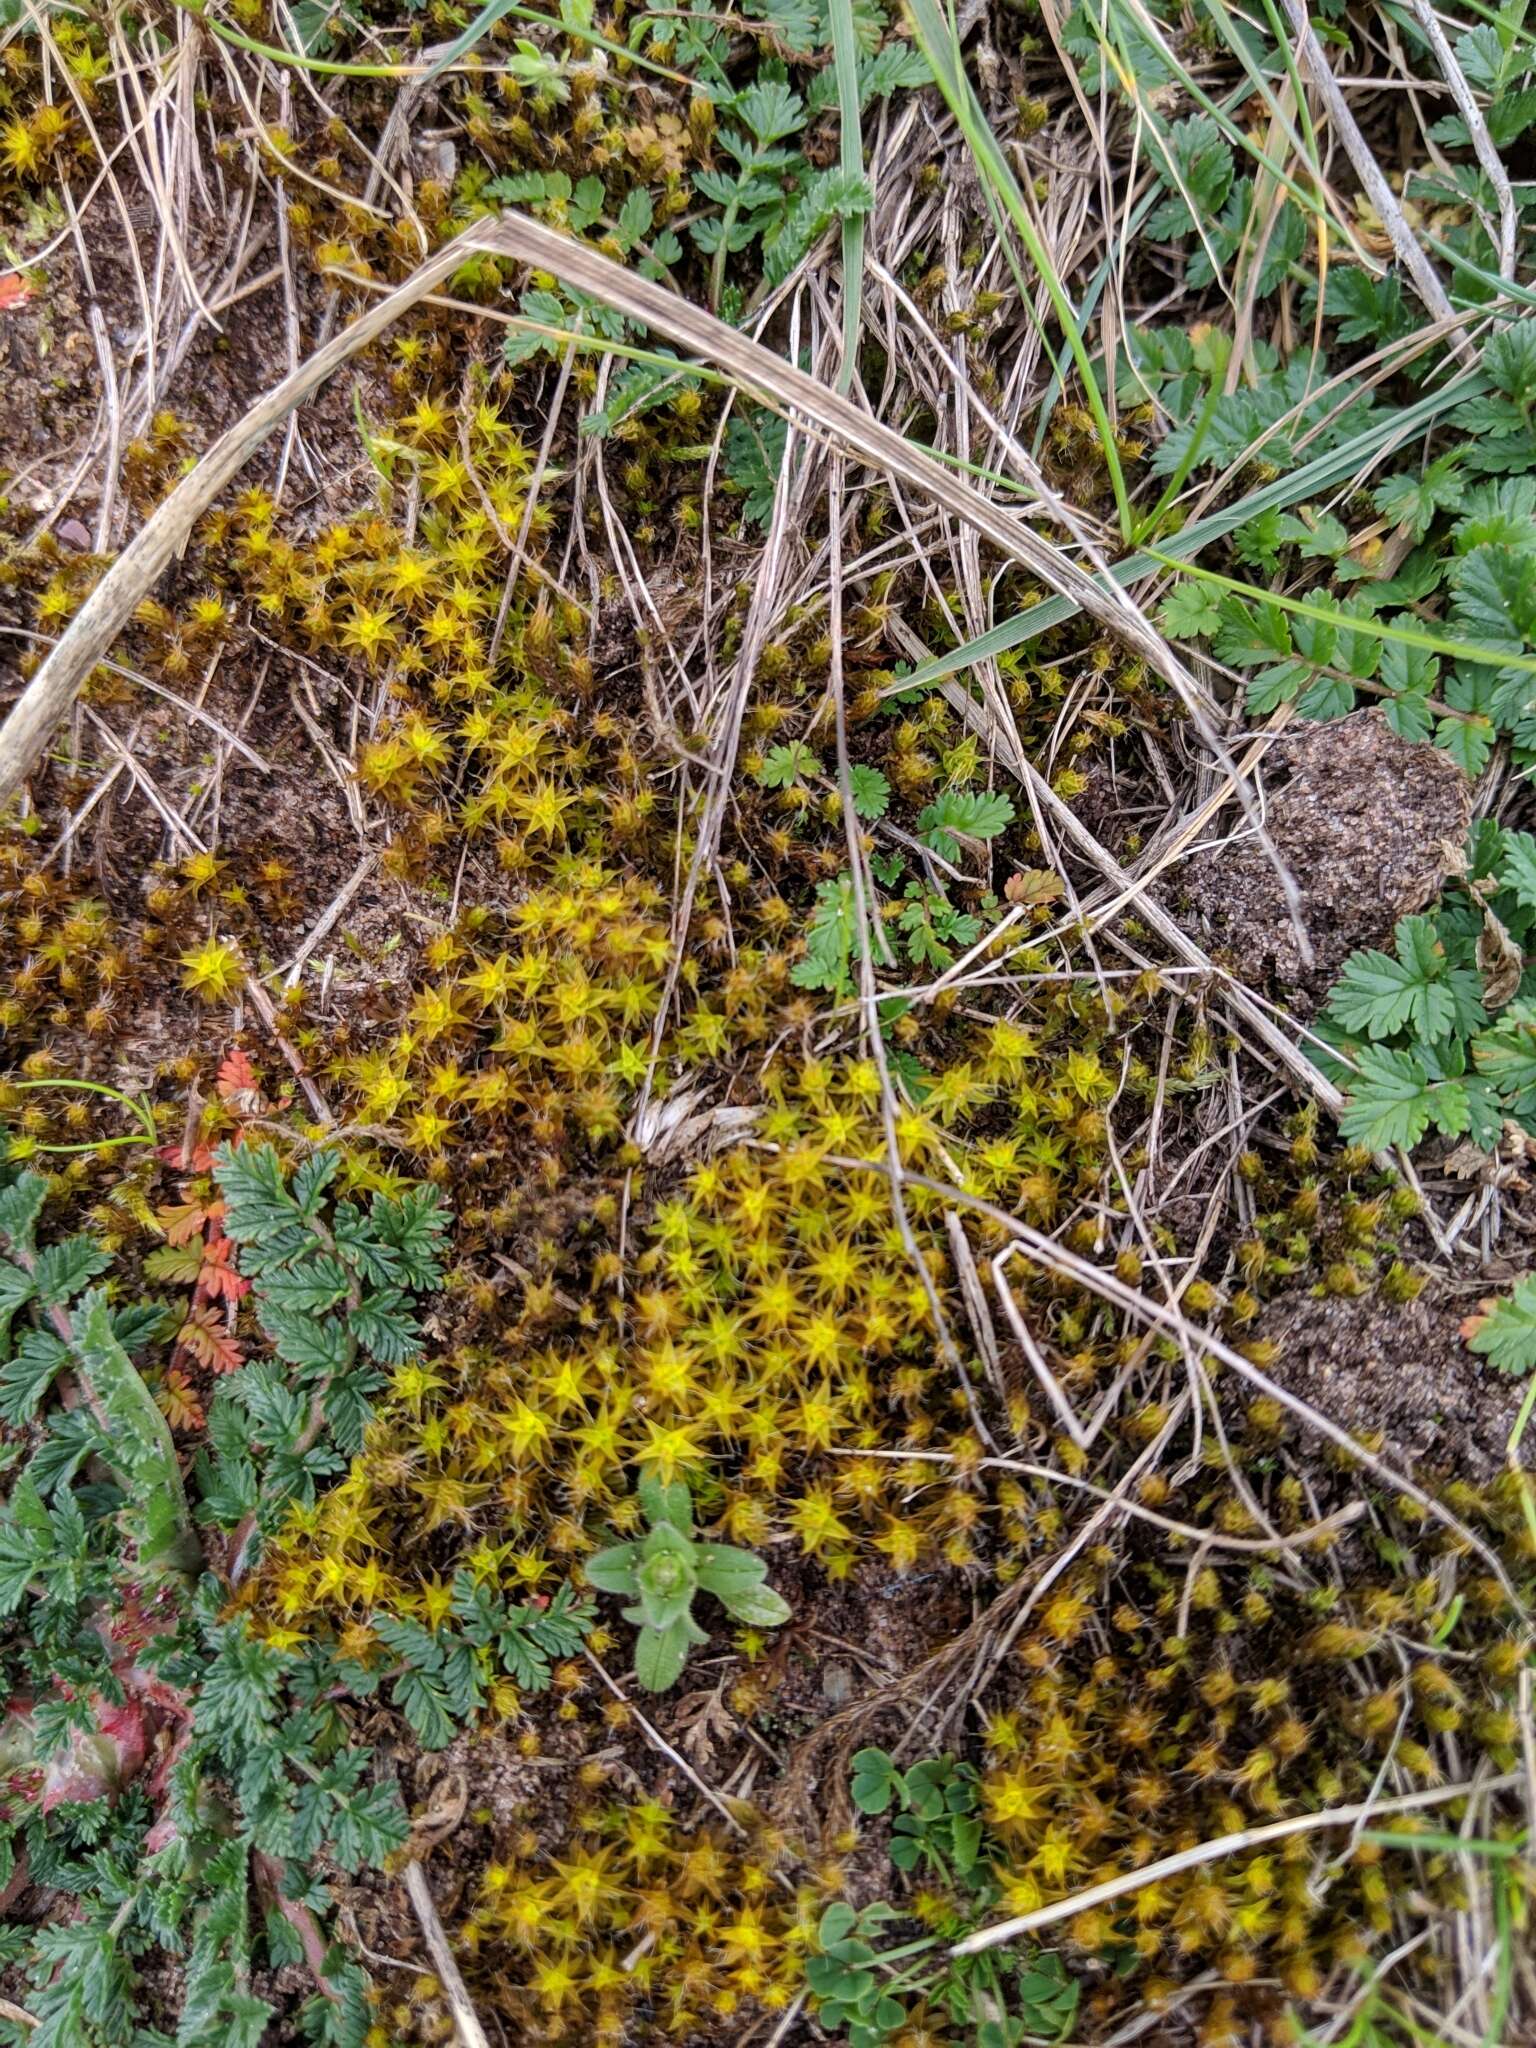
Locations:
1381 1369
854 1670
1364 822
856 1637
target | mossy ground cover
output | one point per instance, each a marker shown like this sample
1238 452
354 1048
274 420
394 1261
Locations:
586 951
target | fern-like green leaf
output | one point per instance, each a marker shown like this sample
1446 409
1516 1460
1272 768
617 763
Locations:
1506 1335
970 813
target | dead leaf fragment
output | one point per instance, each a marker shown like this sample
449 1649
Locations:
1499 961
447 1803
705 1722
1466 1160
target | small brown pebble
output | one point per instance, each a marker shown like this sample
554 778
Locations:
836 1682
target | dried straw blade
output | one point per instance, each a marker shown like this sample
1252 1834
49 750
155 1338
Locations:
104 614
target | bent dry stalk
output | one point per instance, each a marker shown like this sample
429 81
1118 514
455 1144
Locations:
106 611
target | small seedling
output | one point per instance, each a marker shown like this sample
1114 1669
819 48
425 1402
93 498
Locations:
1002 1999
847 1979
663 1571
937 1800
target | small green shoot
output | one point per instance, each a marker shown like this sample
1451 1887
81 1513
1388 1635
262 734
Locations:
665 1570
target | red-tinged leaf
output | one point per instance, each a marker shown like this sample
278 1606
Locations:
14 291
165 1831
235 1073
96 1762
207 1340
182 1221
178 1401
196 1340
1034 886
189 1156
1470 1325
239 1087
217 1278
179 1264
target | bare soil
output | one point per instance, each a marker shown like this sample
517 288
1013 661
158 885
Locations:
1365 823
1401 1374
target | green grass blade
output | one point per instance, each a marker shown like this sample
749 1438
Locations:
1370 629
845 58
336 67
939 43
1448 1844
1322 474
1235 134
